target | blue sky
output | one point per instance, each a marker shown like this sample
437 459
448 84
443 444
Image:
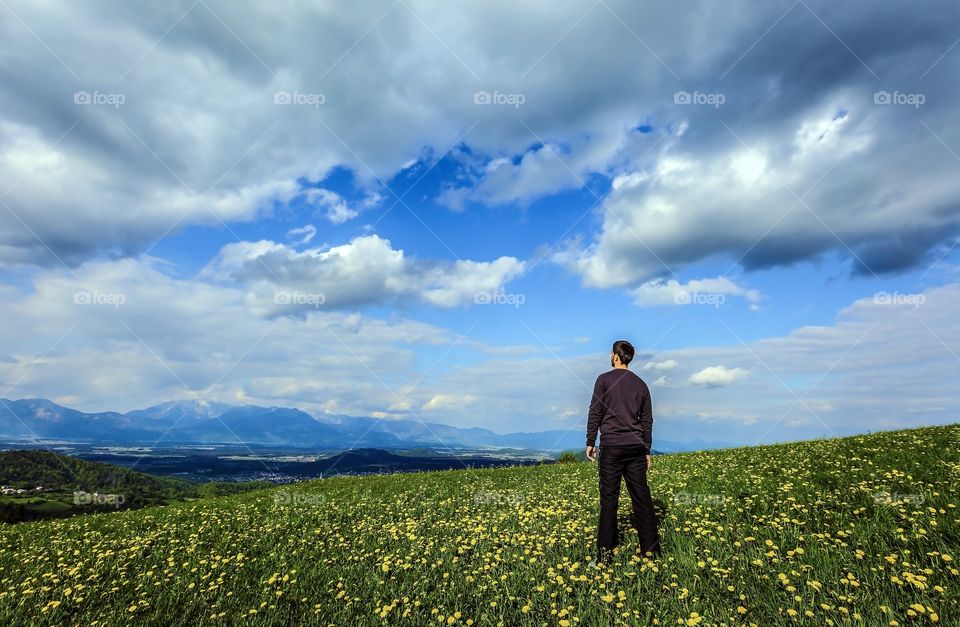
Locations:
762 198
556 306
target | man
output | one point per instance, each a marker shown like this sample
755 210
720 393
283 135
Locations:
621 410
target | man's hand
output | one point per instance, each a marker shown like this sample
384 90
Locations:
648 462
592 453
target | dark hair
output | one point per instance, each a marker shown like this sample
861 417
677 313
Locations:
624 350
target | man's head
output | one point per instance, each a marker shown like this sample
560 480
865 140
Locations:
621 354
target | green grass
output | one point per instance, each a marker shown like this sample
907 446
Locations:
859 530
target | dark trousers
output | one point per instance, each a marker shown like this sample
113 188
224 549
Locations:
629 462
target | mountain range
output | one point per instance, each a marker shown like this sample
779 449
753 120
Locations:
210 422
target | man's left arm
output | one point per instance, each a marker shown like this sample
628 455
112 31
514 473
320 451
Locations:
646 423
593 418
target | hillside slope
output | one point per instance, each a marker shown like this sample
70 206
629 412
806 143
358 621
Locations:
854 530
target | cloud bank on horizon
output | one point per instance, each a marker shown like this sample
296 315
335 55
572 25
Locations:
448 213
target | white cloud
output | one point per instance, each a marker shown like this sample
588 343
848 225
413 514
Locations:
302 235
697 291
448 402
540 171
716 376
335 207
669 364
815 182
727 417
366 271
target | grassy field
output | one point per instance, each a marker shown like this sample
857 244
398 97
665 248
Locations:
847 531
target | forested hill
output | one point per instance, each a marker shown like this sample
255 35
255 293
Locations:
61 477
28 469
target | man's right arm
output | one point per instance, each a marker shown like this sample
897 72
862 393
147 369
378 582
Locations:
596 412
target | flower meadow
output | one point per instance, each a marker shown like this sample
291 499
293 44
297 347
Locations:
859 530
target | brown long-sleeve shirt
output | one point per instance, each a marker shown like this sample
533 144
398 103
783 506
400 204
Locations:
621 410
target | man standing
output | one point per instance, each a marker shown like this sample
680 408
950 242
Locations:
621 410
